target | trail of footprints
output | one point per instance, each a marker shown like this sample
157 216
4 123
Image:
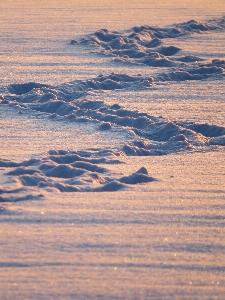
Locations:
86 171
64 171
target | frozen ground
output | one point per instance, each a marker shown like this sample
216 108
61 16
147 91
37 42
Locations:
112 150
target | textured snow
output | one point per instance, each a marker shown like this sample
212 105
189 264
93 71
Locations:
112 150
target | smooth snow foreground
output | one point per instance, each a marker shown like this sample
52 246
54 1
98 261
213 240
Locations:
112 182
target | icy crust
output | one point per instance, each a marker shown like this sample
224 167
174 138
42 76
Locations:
68 171
144 44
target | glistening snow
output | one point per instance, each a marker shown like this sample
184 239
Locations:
116 175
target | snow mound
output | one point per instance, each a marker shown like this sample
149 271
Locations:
144 44
71 172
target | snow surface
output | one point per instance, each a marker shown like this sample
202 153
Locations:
112 150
